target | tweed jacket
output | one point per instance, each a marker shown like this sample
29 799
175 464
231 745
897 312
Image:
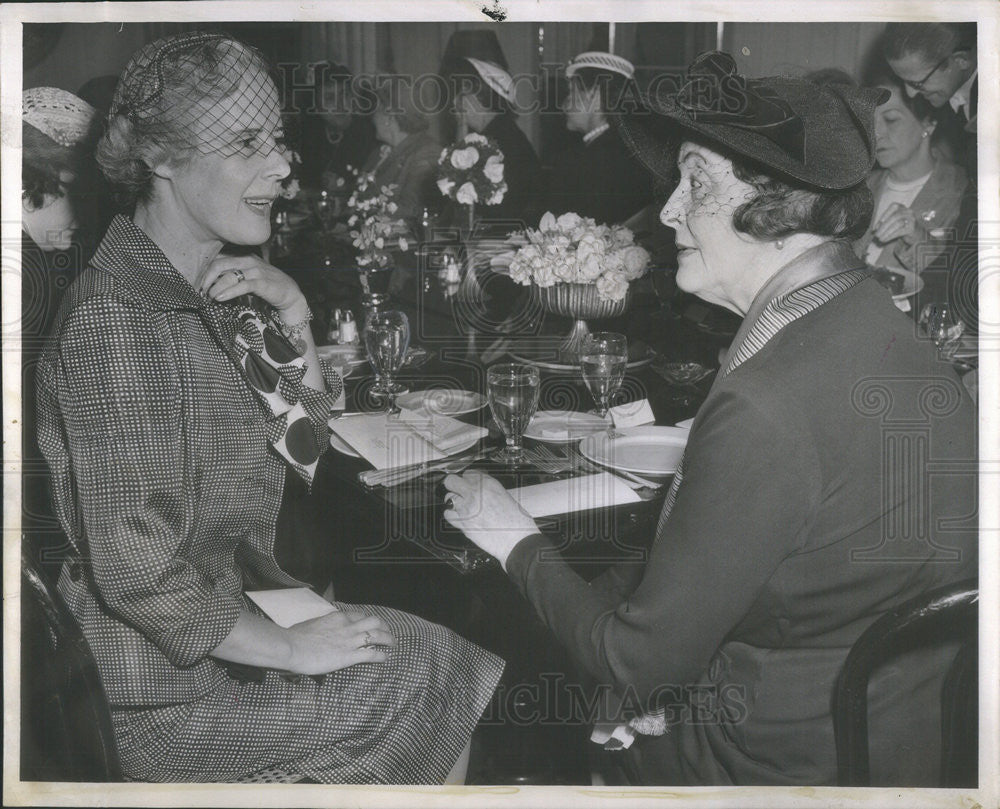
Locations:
936 207
162 475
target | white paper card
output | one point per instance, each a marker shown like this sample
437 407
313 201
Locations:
291 605
387 443
603 490
633 414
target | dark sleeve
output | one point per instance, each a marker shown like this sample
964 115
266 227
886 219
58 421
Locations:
749 486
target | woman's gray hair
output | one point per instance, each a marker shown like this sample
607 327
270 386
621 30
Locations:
780 208
397 99
163 105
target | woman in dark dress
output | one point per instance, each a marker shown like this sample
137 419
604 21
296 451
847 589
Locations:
484 103
57 130
596 176
782 536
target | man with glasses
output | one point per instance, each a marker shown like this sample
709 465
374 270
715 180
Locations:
938 61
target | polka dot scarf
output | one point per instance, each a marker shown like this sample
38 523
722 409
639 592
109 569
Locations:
275 372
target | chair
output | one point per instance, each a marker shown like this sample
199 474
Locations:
66 732
945 613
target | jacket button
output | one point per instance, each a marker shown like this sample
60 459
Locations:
75 571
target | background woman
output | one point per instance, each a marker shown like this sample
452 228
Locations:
596 176
410 161
56 164
484 103
774 550
183 385
917 189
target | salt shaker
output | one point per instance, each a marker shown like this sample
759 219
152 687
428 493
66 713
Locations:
348 328
333 331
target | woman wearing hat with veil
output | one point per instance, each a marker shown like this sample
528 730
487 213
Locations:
597 176
784 533
181 389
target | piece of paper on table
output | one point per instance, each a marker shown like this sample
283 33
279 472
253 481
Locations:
632 414
602 490
387 443
291 605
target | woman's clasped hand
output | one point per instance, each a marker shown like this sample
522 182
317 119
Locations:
228 277
338 640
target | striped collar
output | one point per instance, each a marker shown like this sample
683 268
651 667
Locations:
807 282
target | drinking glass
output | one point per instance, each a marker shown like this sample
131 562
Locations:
603 359
387 336
938 322
512 391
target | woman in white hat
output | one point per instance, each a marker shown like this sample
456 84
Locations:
55 132
484 103
597 176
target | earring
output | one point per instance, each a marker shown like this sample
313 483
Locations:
926 133
779 244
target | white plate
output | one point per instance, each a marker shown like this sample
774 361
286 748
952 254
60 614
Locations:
643 450
563 426
443 401
339 444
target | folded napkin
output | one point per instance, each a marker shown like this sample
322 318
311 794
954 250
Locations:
602 490
416 436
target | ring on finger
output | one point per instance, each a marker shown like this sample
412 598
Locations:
367 641
239 276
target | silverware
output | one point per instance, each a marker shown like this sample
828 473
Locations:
393 477
343 414
587 465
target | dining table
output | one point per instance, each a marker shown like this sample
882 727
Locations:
392 545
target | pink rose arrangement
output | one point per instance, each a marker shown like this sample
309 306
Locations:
572 249
471 171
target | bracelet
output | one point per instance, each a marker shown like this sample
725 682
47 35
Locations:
294 331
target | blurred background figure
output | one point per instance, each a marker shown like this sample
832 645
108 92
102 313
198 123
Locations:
484 103
596 176
917 188
338 133
410 159
57 135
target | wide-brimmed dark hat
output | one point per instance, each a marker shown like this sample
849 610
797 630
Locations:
821 137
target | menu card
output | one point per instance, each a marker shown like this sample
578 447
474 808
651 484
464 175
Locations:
291 605
602 490
412 436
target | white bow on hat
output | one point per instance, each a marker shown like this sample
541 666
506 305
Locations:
599 60
498 79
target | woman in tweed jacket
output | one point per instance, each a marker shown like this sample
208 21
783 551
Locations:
171 405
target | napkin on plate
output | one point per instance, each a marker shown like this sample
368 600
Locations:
388 442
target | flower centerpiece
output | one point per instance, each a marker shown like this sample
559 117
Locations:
375 230
580 269
471 171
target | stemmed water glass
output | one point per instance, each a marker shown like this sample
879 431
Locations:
387 337
938 322
512 391
603 359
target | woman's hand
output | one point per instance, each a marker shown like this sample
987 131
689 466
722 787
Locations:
489 516
228 277
336 641
897 222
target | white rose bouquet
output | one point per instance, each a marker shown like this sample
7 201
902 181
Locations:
471 171
375 229
572 249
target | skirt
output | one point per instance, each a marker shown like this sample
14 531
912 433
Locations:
405 721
